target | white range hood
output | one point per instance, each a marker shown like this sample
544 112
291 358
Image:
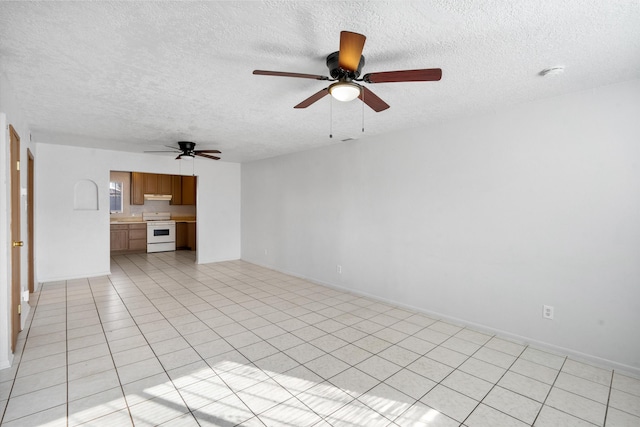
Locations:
157 197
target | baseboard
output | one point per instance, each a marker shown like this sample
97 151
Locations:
80 276
6 363
576 355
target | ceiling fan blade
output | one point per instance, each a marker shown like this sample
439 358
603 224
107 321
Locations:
162 151
179 157
207 156
313 98
208 151
424 75
286 74
372 100
351 45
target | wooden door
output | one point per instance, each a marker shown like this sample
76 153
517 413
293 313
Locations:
16 245
30 219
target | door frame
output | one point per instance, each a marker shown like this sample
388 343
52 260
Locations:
30 220
16 246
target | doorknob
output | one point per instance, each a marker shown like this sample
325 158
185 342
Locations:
20 243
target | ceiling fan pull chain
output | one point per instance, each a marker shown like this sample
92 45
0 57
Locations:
331 118
362 110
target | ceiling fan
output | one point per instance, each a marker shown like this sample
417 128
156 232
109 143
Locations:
188 152
345 67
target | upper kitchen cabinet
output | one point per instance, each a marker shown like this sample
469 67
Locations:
184 190
150 183
176 190
164 184
155 183
188 190
181 188
137 188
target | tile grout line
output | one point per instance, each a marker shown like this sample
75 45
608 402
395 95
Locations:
550 389
495 384
606 409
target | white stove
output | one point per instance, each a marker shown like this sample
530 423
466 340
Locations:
161 231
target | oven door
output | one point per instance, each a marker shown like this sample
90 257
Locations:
157 233
161 237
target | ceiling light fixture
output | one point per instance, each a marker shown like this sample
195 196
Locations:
188 157
344 91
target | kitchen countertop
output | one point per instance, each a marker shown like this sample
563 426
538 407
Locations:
127 221
184 219
138 220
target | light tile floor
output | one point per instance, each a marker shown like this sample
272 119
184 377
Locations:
163 341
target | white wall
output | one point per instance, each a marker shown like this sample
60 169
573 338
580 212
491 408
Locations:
74 243
481 220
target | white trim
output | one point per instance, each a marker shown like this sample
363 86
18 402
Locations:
6 357
81 276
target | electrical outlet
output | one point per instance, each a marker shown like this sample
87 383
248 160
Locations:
339 269
547 312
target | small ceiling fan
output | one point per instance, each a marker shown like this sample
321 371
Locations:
188 152
345 67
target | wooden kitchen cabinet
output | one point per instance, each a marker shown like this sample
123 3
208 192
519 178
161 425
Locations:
188 190
149 183
155 183
164 184
129 237
137 188
183 190
186 235
119 238
138 237
181 235
191 235
176 190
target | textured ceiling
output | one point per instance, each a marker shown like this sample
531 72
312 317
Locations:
136 76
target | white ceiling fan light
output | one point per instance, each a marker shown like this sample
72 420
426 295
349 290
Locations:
344 91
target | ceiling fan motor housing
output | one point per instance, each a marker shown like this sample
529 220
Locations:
338 73
187 146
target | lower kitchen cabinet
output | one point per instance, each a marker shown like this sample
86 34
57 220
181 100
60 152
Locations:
119 238
191 235
186 235
128 237
181 235
138 237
